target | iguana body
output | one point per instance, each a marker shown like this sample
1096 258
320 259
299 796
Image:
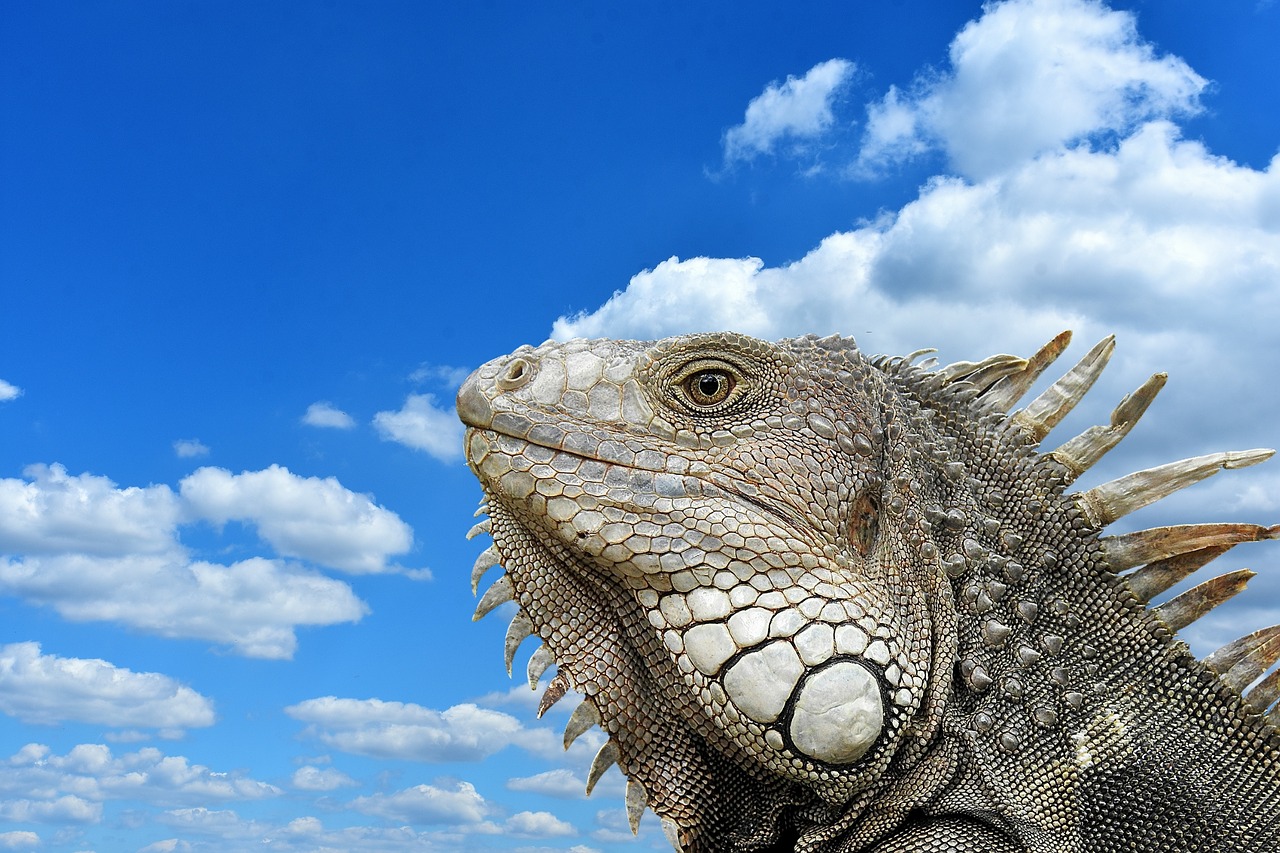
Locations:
825 603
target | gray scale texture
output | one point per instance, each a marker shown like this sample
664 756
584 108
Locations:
827 603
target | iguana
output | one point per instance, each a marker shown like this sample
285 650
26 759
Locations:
823 602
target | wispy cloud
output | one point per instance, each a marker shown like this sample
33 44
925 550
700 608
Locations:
188 448
325 415
796 110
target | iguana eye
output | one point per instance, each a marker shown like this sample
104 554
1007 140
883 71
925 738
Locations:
707 385
709 388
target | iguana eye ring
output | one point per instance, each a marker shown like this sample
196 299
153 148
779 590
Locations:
708 385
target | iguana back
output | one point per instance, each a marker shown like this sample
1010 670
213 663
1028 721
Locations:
826 603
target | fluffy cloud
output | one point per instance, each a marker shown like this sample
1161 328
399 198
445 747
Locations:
54 512
190 448
9 391
423 425
20 840
404 730
47 689
1151 236
796 110
324 414
94 551
307 517
1030 76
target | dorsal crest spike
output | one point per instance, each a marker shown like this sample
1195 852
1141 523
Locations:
1157 543
605 758
1106 503
555 691
637 802
583 717
1081 453
1181 611
539 662
1154 578
500 593
1006 392
520 628
1241 662
1265 693
1046 411
487 560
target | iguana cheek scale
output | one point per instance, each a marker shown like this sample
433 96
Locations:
820 602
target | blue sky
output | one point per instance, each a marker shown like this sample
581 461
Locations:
248 250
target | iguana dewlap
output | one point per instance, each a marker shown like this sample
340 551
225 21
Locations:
822 602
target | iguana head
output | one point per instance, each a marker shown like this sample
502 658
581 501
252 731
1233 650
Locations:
806 593
705 532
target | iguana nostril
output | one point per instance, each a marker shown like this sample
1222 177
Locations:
517 374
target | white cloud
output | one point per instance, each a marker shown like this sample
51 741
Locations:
538 825
94 551
1139 232
65 809
253 605
55 512
19 840
798 109
427 804
308 517
422 425
189 448
47 689
440 374
325 414
9 391
309 778
561 783
1028 77
404 730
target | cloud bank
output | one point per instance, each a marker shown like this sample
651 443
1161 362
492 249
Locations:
94 551
1070 198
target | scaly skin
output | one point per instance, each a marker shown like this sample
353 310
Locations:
825 603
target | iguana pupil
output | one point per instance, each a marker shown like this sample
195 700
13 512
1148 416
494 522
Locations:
710 388
835 604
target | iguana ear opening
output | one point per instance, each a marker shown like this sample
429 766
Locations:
864 524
